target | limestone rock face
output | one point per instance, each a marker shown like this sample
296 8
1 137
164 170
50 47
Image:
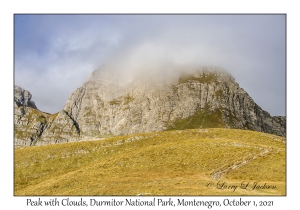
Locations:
60 128
103 107
23 98
29 122
106 105
33 127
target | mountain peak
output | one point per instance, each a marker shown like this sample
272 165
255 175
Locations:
23 98
115 102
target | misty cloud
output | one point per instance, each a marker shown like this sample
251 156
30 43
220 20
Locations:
55 54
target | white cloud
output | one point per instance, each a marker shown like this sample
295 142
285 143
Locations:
64 50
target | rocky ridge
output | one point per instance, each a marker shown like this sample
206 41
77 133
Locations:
34 127
104 105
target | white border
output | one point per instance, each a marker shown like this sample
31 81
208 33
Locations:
8 8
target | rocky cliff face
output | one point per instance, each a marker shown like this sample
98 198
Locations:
29 121
205 97
33 127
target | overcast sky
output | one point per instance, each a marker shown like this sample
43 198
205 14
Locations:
55 54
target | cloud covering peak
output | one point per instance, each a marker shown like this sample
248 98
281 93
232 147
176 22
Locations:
55 54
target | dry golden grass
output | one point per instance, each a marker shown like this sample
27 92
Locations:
186 162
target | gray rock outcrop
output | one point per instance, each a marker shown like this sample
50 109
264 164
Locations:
23 98
33 127
29 122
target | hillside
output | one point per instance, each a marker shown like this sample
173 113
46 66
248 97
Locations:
177 162
111 104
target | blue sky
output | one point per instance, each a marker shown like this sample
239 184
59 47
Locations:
55 54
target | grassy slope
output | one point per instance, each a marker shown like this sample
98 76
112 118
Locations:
200 119
164 163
